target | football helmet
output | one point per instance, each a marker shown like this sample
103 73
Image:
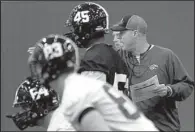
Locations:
87 19
35 100
53 55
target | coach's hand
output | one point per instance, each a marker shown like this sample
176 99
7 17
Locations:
163 90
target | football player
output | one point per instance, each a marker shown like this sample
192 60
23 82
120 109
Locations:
89 23
86 103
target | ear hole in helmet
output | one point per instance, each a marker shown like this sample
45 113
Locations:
87 36
46 112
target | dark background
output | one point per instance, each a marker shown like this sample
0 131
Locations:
171 25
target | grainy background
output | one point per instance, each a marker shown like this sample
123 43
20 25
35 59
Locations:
171 24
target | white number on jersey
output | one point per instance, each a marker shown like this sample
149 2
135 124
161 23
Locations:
37 94
83 16
120 78
52 51
126 107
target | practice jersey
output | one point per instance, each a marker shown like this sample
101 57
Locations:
103 58
82 93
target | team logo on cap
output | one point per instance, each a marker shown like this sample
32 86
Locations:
153 67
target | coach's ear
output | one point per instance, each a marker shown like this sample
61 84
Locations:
135 33
93 121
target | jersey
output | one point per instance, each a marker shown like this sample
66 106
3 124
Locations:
103 58
117 110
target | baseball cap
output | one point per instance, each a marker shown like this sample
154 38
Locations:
131 22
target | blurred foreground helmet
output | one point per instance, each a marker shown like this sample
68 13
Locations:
52 56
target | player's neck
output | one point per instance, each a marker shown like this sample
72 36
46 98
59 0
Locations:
61 83
96 41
